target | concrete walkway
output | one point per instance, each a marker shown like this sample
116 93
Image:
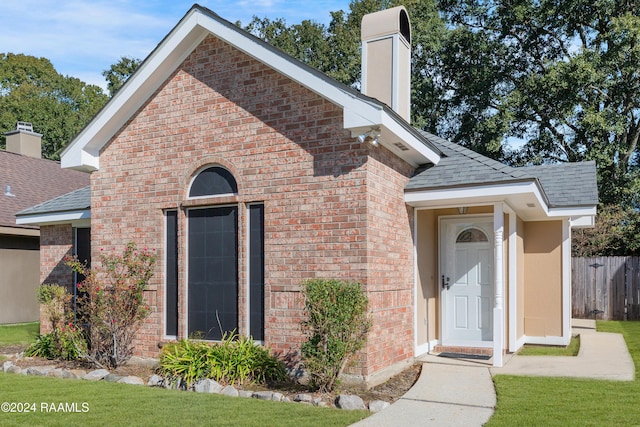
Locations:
460 392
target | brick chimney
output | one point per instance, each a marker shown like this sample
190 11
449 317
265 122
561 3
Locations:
386 58
23 140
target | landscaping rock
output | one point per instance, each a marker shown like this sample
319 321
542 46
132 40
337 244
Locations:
262 395
155 381
112 378
14 369
277 397
378 405
207 386
286 399
350 402
6 365
39 371
56 373
74 374
96 375
131 379
245 393
230 391
303 397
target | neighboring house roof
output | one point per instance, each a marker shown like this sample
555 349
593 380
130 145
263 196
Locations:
562 185
360 113
32 181
78 200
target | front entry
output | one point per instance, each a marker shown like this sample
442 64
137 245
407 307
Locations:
466 281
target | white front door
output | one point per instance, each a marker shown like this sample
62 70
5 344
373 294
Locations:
466 281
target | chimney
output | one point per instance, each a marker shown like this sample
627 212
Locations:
386 58
24 141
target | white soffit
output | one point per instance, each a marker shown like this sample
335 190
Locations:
359 113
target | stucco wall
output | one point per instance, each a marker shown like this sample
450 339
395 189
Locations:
286 148
543 278
19 279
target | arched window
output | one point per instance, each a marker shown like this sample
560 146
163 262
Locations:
213 181
472 235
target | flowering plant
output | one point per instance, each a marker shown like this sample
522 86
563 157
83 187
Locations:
111 303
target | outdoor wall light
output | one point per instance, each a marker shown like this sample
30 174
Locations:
462 210
372 136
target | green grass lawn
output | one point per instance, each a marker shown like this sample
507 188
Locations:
126 405
536 401
547 350
20 333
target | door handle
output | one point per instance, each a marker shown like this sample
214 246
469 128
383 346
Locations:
445 283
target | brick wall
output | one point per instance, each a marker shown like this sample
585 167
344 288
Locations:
56 242
287 149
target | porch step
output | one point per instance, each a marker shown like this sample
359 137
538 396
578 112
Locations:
480 351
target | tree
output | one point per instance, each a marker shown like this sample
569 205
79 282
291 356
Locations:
58 106
562 76
615 234
119 72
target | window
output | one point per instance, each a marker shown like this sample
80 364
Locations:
82 249
213 271
256 271
171 273
213 181
472 235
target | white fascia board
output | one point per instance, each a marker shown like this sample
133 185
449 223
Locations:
496 192
571 212
583 221
54 218
83 152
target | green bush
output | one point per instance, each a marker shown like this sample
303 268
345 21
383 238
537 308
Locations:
65 341
336 328
234 360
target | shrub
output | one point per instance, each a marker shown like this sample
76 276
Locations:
234 360
336 328
112 303
65 341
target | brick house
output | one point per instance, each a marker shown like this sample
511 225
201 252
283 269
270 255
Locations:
250 172
25 179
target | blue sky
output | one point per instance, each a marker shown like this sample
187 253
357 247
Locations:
84 37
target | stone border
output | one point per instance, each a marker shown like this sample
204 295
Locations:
343 401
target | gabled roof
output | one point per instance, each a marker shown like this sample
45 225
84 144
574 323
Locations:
566 185
32 181
360 113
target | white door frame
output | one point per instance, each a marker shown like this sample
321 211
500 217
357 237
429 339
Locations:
472 220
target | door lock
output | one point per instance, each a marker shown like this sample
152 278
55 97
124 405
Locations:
445 283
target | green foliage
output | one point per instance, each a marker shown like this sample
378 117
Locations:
119 72
58 106
234 360
65 341
336 327
112 303
615 234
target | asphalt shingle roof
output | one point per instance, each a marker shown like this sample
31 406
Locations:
567 184
73 201
32 181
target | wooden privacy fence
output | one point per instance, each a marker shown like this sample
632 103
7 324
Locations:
606 288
